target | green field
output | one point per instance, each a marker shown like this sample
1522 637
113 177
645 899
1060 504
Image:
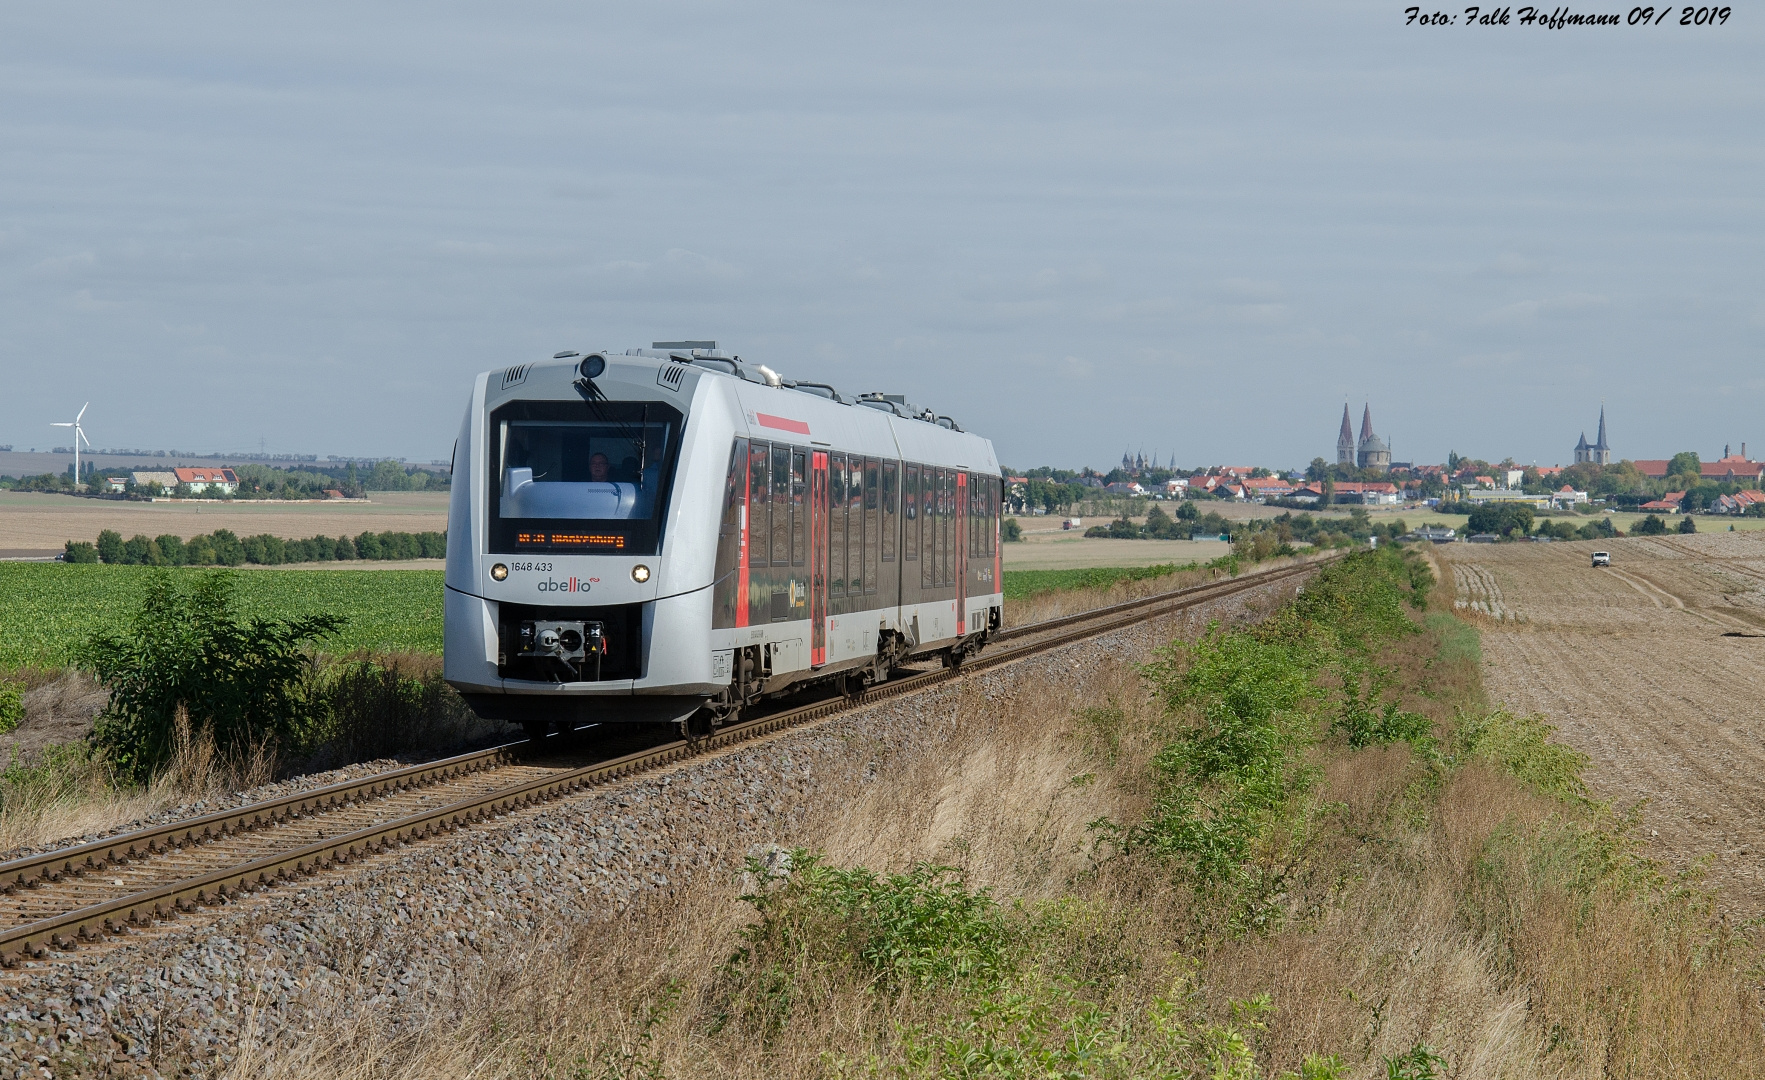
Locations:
1022 584
51 607
48 608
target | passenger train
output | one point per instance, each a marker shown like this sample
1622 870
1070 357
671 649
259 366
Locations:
667 535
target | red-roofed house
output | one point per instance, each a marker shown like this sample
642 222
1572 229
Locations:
1375 493
1729 469
200 480
1666 504
1738 503
1269 487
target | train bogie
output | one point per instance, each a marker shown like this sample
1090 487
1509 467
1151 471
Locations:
664 534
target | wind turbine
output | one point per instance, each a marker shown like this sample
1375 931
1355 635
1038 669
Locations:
79 433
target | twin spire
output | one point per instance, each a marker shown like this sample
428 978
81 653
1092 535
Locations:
1367 452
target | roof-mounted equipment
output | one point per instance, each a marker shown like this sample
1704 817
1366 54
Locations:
820 390
895 404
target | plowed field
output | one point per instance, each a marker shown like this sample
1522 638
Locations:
1654 667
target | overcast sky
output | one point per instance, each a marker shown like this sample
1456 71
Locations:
1075 227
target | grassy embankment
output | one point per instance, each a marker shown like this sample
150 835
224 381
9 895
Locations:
1308 848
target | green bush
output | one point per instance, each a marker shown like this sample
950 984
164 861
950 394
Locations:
78 551
1010 531
225 549
1501 519
1370 720
171 549
369 709
1521 747
186 649
1221 780
1649 526
1249 698
899 931
12 705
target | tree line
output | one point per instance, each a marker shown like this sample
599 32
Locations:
255 481
223 548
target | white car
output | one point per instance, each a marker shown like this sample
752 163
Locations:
1602 558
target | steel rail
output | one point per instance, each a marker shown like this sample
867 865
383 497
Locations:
96 921
126 847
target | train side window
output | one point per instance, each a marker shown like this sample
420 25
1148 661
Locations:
854 526
973 536
872 522
891 496
781 505
984 515
759 506
993 516
729 535
799 509
946 527
836 524
911 554
935 526
929 528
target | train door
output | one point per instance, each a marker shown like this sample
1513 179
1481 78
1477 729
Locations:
961 549
818 558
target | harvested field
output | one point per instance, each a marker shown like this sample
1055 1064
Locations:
1652 668
1046 546
32 522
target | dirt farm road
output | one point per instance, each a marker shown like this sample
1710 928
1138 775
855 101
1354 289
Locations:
1655 668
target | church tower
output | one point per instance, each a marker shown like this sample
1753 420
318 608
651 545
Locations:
1345 440
1371 452
1598 453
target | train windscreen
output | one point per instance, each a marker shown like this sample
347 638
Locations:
590 478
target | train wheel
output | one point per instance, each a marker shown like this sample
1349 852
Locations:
697 726
954 657
536 729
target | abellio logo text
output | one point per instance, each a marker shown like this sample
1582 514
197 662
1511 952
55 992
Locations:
571 585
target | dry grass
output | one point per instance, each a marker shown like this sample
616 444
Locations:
1510 930
64 791
57 790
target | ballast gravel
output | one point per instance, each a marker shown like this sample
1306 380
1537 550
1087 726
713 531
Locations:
406 929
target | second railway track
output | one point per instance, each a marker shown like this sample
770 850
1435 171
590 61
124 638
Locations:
85 894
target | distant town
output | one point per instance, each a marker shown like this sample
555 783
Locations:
1364 474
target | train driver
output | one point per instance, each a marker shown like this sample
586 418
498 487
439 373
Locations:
598 467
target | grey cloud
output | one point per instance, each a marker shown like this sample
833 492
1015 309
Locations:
363 206
1566 306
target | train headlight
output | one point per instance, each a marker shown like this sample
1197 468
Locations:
499 572
593 365
640 573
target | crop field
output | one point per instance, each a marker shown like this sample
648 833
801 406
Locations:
51 607
1653 667
48 608
37 523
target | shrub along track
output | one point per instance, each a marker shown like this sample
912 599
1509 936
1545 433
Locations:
87 894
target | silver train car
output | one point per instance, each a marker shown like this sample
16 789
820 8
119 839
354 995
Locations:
667 535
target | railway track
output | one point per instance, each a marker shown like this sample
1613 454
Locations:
59 900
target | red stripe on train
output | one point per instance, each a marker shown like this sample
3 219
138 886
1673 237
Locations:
782 423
